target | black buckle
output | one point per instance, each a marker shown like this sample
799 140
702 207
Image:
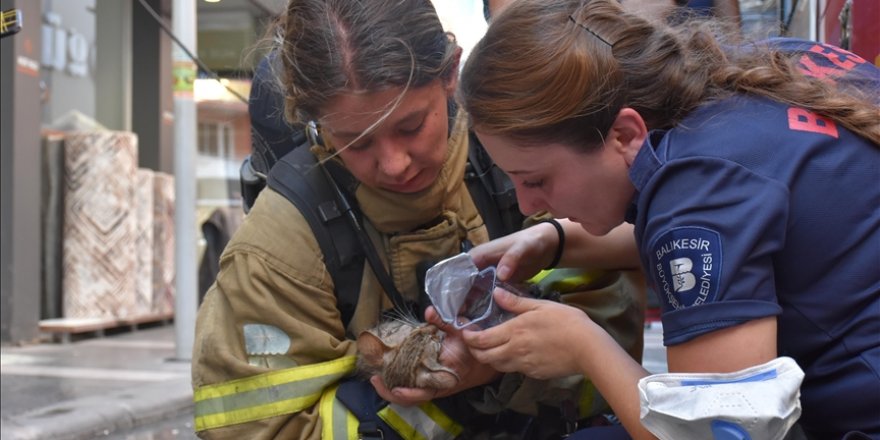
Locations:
370 431
569 417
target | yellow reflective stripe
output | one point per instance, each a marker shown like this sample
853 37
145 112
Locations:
566 280
423 422
219 420
591 402
539 276
396 421
441 419
338 423
341 365
266 395
588 394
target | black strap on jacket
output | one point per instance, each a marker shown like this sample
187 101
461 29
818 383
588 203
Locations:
355 220
364 403
492 191
324 195
298 177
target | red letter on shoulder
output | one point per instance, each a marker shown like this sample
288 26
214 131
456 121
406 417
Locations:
841 58
842 61
803 120
824 73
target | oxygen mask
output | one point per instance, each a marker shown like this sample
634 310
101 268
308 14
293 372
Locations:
462 294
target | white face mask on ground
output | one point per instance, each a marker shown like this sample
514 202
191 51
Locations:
757 403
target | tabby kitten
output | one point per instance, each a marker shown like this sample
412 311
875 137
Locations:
404 353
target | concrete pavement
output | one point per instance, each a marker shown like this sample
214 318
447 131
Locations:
92 388
103 386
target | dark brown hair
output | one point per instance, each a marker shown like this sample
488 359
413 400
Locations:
333 46
546 69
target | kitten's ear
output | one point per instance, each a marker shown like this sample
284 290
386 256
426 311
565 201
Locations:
371 348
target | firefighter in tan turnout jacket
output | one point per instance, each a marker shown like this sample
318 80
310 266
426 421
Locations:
272 349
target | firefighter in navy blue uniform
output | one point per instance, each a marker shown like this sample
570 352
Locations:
750 174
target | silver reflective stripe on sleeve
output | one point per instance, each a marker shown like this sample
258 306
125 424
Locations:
337 422
266 395
423 422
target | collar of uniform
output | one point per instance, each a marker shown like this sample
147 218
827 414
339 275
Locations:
646 162
643 167
392 212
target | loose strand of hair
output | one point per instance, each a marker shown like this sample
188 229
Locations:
386 112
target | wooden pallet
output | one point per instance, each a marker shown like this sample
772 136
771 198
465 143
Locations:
64 328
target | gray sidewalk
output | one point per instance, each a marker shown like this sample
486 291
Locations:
93 387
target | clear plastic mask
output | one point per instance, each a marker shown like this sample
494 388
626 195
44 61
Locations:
462 294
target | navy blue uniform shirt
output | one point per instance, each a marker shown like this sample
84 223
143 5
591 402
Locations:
752 208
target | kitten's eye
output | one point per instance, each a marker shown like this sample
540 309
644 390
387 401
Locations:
531 184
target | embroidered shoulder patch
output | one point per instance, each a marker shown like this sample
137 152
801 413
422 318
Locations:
686 266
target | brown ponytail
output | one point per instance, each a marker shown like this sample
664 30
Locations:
546 69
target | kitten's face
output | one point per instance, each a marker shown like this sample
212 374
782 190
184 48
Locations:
404 355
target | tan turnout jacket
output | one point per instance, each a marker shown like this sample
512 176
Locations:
270 346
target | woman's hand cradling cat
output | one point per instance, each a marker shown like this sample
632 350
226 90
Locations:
543 341
454 355
457 356
403 396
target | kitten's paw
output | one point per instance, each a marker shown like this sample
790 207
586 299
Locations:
439 380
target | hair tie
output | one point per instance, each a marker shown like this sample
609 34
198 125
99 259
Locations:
559 247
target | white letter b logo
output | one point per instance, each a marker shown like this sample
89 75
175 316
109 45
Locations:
682 278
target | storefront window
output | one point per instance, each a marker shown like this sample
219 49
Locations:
67 60
223 140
